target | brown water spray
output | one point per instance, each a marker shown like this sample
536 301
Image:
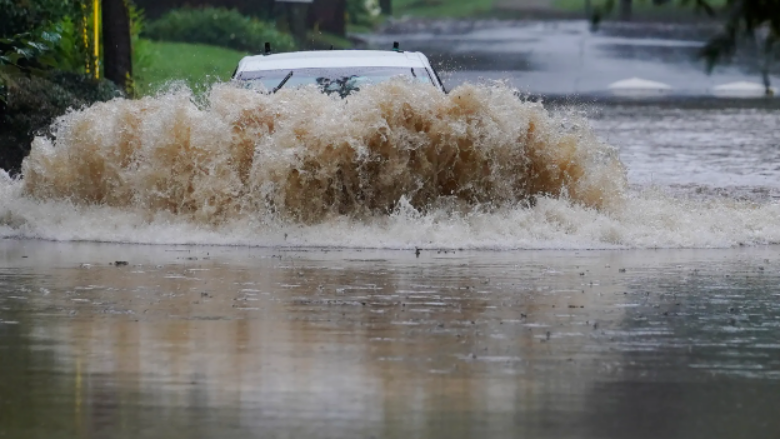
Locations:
304 156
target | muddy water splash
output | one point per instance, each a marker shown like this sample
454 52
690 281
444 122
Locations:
303 156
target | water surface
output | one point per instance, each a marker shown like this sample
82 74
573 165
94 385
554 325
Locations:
212 341
567 57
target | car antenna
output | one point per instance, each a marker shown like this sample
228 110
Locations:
396 47
267 50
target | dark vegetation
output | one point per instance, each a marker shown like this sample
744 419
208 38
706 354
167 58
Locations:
757 21
43 71
260 9
327 16
33 102
218 27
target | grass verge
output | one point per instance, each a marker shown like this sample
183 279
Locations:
442 8
198 65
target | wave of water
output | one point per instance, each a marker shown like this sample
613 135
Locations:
394 166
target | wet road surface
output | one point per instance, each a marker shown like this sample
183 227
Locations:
567 57
238 342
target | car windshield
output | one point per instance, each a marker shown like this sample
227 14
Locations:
341 80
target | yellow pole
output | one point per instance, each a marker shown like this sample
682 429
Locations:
85 35
96 36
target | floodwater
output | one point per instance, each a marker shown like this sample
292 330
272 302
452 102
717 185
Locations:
702 145
567 57
247 342
147 289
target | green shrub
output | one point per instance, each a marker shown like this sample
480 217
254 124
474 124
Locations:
53 46
32 103
69 51
20 16
217 27
85 90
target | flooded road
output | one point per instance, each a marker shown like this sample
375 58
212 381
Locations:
703 145
566 57
238 342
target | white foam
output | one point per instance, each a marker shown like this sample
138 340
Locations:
744 89
639 87
649 219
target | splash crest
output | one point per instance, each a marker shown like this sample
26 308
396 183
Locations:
304 157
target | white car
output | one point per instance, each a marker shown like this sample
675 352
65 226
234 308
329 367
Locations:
335 71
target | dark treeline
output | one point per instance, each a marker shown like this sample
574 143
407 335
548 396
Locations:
257 8
325 15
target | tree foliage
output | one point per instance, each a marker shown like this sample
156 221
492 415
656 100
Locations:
23 16
32 104
42 71
34 37
755 19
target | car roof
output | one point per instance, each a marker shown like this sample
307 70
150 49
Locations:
332 58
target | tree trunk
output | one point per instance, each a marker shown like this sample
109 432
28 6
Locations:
766 65
625 10
328 16
117 47
386 6
292 17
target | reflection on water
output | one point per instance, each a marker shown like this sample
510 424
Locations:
210 341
